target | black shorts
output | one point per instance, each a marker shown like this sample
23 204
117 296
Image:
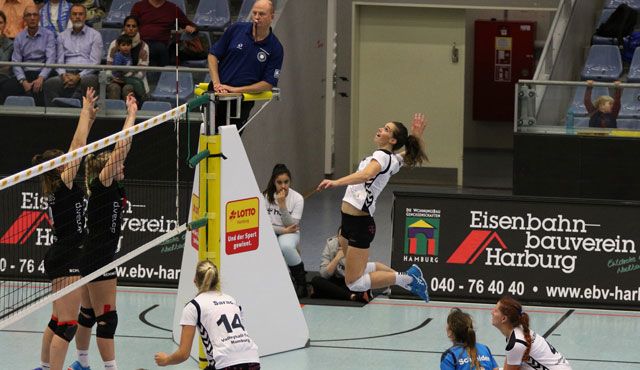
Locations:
62 261
358 230
96 255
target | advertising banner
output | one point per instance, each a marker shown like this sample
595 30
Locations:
539 250
26 233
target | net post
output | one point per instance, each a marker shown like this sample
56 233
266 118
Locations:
209 208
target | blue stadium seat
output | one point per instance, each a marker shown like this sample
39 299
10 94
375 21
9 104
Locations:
119 10
212 15
601 40
115 104
634 67
629 124
577 104
630 103
181 5
202 63
108 35
67 102
245 10
166 88
612 4
156 106
603 63
20 101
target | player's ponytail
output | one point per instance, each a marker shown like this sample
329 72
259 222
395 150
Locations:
93 164
512 309
414 153
207 276
461 326
49 180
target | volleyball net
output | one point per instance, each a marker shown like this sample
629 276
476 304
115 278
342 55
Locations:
147 205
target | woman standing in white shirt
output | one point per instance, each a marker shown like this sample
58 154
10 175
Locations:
284 206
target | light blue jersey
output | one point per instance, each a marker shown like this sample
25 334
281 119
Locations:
456 358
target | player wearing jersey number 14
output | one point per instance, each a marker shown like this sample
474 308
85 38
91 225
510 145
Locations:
226 342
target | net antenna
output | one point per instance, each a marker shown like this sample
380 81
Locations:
23 292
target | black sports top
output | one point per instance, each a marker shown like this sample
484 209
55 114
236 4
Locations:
104 212
67 212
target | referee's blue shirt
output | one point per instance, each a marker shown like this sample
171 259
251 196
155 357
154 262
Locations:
242 61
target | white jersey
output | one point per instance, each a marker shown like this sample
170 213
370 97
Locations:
218 319
542 355
294 203
363 196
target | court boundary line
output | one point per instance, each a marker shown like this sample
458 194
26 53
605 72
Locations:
422 325
440 352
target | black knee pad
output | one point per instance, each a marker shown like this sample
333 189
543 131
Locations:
53 323
67 330
86 317
107 324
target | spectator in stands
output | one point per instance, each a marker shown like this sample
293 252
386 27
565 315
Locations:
219 320
80 44
6 49
247 58
13 10
284 206
466 353
54 15
36 45
136 82
330 283
604 111
157 20
61 263
94 12
525 349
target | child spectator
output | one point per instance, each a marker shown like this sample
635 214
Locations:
122 57
604 111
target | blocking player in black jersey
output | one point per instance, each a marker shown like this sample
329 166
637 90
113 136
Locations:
218 318
103 175
66 202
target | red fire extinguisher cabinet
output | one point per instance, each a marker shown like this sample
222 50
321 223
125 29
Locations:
503 54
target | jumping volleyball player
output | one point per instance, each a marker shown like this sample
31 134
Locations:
66 211
363 188
218 318
104 173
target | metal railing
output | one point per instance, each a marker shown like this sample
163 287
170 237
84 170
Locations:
567 113
102 80
551 50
